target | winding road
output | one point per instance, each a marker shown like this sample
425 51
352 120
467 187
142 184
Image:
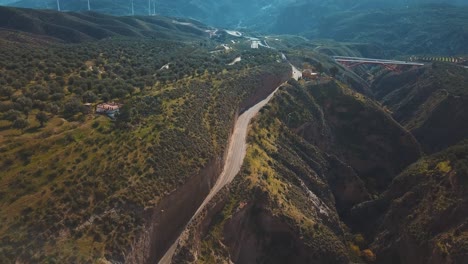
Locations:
235 156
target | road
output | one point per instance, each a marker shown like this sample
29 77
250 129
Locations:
235 157
236 60
374 61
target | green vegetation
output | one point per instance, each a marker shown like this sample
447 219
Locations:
304 169
48 26
76 187
353 127
280 177
423 99
428 199
437 30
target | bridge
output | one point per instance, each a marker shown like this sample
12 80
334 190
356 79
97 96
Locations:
392 65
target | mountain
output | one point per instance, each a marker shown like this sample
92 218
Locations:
251 14
79 187
417 27
422 217
218 13
78 27
438 30
135 139
422 100
299 178
303 184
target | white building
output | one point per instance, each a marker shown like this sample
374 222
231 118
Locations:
255 44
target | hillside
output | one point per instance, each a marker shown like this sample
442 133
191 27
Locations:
80 187
216 13
439 30
417 27
252 14
433 223
301 178
79 27
423 99
114 131
422 216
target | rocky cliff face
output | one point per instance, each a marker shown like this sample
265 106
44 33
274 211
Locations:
431 102
331 177
172 213
169 218
426 217
354 128
298 180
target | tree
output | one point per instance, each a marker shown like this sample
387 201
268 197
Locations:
25 104
105 96
6 91
72 107
319 67
334 71
20 123
53 108
125 115
11 115
89 97
42 118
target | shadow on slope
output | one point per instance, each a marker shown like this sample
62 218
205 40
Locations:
78 27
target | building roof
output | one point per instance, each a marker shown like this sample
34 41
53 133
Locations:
109 106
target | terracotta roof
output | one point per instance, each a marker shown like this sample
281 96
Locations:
109 106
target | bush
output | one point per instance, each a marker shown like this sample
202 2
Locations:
6 91
72 107
42 118
20 123
334 71
89 97
11 115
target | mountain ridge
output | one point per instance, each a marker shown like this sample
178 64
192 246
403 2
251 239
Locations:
341 166
78 27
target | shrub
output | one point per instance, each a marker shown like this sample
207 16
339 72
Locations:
42 118
11 115
89 97
72 107
20 123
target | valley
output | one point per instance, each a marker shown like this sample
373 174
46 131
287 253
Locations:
235 157
154 139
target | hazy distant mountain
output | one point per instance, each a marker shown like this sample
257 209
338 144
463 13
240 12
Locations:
258 14
351 165
79 27
4 2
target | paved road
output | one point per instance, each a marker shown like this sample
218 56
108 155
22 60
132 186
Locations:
235 157
375 61
236 60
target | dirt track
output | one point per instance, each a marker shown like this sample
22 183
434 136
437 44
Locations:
235 157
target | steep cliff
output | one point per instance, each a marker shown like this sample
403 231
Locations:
174 211
352 127
426 217
431 102
298 179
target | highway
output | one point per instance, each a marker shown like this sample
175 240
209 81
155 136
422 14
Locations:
235 156
374 61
